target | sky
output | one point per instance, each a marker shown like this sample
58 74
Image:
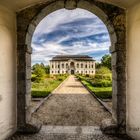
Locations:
72 32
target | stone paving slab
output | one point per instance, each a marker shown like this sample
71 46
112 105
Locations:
67 133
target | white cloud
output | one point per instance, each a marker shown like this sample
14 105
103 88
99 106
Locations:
45 51
61 16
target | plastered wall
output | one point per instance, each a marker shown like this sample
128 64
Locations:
133 62
7 73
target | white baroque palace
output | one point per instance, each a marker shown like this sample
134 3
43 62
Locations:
72 64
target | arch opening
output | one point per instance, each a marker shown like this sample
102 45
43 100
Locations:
119 110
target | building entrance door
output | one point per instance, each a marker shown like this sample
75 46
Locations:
72 72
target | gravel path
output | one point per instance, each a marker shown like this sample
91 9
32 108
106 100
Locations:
71 113
72 105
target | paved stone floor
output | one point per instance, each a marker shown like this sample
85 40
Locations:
71 113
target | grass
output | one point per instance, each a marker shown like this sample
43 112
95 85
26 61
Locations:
44 88
100 92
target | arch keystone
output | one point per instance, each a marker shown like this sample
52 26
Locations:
70 4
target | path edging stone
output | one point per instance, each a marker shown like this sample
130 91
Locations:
99 100
35 109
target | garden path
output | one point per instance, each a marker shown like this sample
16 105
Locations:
71 113
71 104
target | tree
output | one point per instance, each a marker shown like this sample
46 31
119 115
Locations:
47 69
106 61
98 65
39 72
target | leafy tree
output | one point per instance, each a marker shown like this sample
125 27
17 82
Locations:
38 72
98 65
106 61
47 69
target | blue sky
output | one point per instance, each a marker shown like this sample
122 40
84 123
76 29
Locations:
70 32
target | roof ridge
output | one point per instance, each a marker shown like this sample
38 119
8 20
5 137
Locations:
75 57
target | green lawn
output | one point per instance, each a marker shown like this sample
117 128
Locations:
45 87
100 92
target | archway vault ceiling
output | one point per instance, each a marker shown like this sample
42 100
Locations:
17 5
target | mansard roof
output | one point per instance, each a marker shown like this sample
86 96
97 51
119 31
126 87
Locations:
73 57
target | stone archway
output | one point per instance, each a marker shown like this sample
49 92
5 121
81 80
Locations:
114 19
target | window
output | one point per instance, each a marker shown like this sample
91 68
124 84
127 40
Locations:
58 66
62 65
81 65
86 66
66 65
77 65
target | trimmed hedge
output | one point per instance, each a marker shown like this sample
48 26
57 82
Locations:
40 94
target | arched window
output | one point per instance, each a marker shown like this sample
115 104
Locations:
62 65
77 65
72 64
81 65
66 65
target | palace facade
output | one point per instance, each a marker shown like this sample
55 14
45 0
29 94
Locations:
72 64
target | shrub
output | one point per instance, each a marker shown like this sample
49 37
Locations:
87 75
103 70
39 94
102 83
40 74
104 94
33 77
103 76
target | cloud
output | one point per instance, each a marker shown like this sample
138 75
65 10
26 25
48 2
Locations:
70 32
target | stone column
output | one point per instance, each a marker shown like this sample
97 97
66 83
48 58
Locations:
24 124
119 87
